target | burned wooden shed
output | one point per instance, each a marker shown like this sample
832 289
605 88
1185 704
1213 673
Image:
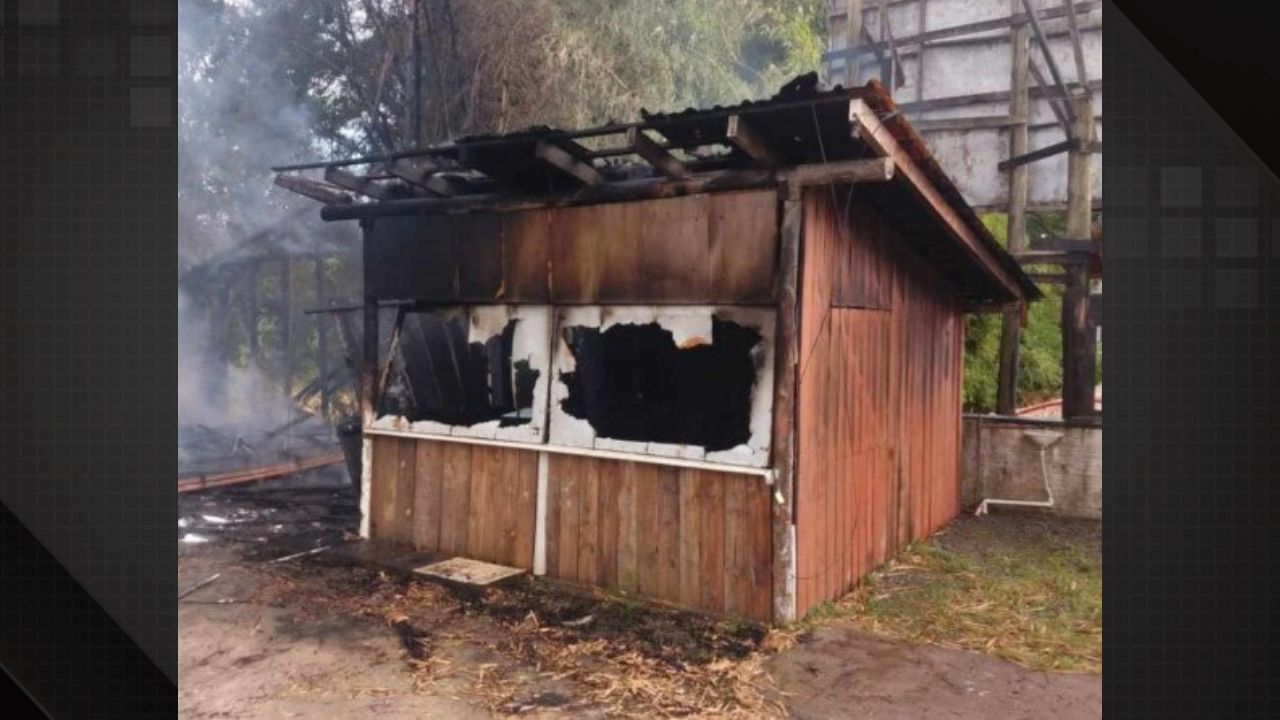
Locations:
712 358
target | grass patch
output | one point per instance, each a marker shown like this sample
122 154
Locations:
1023 588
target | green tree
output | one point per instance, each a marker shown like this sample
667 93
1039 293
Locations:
1039 344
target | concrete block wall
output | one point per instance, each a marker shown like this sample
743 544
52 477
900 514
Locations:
1000 461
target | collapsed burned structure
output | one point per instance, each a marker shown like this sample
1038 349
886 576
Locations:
712 358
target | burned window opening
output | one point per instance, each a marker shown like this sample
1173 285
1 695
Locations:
632 382
440 376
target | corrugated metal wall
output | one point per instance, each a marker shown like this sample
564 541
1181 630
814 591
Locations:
881 357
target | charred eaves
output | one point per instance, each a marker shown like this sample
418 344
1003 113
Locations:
632 382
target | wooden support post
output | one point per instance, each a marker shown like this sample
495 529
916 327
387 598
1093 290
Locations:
322 339
1049 60
1019 112
786 388
368 392
1079 344
921 21
286 333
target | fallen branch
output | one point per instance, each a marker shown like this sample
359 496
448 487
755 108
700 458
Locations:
199 585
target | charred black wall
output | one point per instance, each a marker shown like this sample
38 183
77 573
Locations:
632 382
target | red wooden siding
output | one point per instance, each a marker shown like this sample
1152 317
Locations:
454 499
697 538
881 353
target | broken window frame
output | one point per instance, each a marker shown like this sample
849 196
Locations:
530 342
552 427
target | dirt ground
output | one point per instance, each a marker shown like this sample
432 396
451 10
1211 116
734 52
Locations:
322 636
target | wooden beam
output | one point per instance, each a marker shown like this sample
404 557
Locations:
1029 157
354 183
1052 258
1082 75
1050 96
654 154
1048 278
849 52
312 189
237 477
785 447
1048 56
1065 245
1019 183
422 177
1079 340
853 171
875 134
995 96
746 139
562 159
845 171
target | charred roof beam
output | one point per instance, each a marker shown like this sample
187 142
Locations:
656 155
355 183
558 157
747 139
326 194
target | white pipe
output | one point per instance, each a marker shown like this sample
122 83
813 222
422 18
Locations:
1044 473
540 519
366 482
767 474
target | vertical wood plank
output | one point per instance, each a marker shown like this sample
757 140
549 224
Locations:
668 533
386 459
609 522
712 562
429 468
737 548
402 524
761 549
589 521
553 519
566 467
455 498
690 531
480 511
648 529
524 471
627 528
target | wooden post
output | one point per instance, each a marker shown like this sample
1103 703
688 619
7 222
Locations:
786 365
1019 111
286 333
1079 344
322 339
255 312
368 391
851 37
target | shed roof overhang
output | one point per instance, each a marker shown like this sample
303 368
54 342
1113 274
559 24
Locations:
801 136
